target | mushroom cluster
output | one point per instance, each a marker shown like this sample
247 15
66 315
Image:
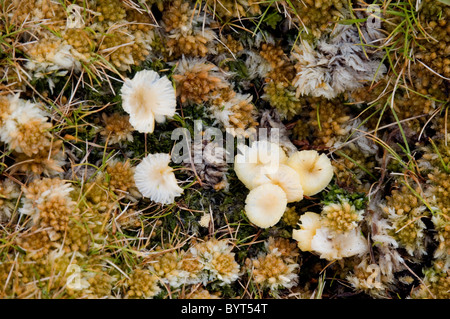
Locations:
275 179
316 236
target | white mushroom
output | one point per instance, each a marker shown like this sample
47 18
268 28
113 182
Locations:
315 170
148 98
155 179
254 163
309 223
265 205
333 246
289 180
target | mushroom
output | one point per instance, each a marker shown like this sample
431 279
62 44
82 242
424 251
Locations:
155 179
309 223
333 246
289 181
148 98
315 170
254 163
265 205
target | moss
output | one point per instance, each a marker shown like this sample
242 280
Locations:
111 11
226 9
81 40
291 216
195 45
337 194
325 122
436 284
104 221
282 97
272 271
142 284
341 217
441 183
238 68
318 16
433 53
405 211
354 170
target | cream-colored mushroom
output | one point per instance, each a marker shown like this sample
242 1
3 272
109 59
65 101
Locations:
156 180
315 170
148 98
254 163
265 205
333 246
289 180
309 223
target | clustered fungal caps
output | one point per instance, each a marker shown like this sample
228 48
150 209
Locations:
274 179
314 140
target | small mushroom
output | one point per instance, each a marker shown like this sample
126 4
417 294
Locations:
148 98
289 180
254 163
333 246
155 179
309 223
265 205
315 170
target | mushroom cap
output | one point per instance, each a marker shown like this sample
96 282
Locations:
146 98
155 179
315 170
289 180
333 246
265 205
254 163
309 223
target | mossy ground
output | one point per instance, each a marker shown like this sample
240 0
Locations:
409 113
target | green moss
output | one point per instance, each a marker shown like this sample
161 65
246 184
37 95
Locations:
337 194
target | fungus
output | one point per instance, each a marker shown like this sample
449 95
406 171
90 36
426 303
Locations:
155 179
315 170
309 223
148 98
314 236
265 205
254 162
332 246
289 181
